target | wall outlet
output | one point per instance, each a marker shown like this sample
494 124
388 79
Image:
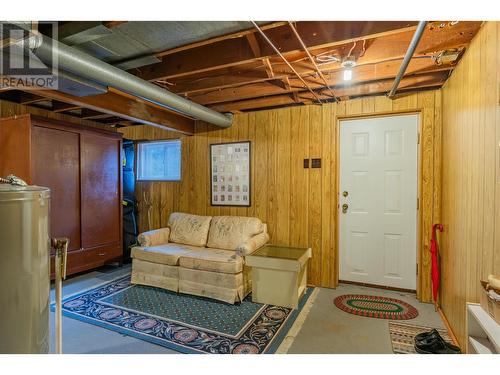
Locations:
316 163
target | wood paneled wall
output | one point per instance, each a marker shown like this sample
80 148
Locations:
471 176
299 205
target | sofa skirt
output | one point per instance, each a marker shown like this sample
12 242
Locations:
226 287
154 274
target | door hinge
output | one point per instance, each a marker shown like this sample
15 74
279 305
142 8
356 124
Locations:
418 204
417 269
418 139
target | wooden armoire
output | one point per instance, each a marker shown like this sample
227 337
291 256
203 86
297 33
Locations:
82 168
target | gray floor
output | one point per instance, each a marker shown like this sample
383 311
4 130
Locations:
326 329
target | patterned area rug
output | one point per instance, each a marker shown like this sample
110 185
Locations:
375 307
402 336
185 323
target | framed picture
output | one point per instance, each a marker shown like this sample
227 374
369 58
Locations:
230 174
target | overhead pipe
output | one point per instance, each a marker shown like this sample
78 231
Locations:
318 70
285 60
409 54
82 64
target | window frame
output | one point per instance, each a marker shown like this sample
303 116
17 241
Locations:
136 167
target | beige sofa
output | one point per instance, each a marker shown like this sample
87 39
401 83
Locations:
200 255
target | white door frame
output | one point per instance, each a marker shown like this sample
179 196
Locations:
418 273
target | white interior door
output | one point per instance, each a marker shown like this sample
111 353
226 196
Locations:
378 175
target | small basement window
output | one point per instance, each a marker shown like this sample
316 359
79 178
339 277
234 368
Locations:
159 161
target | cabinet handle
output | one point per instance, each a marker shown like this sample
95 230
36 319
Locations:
102 254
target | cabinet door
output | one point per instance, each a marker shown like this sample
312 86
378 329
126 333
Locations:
15 147
100 174
56 164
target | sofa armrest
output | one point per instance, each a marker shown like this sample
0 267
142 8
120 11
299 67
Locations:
256 242
154 237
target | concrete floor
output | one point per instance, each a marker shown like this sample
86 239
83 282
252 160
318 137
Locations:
325 330
328 329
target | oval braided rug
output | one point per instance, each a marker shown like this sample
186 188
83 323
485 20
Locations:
375 307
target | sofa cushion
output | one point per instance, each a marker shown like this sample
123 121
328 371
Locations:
215 260
189 229
227 232
168 254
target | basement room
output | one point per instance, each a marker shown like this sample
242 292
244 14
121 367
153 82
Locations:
213 180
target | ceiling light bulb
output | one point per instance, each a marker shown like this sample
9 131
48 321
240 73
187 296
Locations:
347 74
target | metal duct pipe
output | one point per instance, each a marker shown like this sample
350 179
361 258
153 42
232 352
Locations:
81 64
409 54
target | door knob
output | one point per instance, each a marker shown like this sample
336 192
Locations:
344 208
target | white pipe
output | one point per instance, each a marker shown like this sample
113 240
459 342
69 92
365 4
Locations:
409 54
84 65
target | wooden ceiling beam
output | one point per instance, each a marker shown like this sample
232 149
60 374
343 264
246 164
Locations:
433 79
376 50
286 83
361 74
109 120
26 98
231 77
254 44
269 68
89 114
126 108
235 51
63 107
239 34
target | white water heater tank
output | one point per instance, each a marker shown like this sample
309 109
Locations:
24 269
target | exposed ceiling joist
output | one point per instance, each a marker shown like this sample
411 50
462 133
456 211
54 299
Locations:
241 71
89 114
26 98
125 107
269 68
63 107
254 44
377 50
278 52
428 80
361 74
234 51
312 59
239 34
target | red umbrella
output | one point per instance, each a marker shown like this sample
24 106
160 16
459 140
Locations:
435 265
